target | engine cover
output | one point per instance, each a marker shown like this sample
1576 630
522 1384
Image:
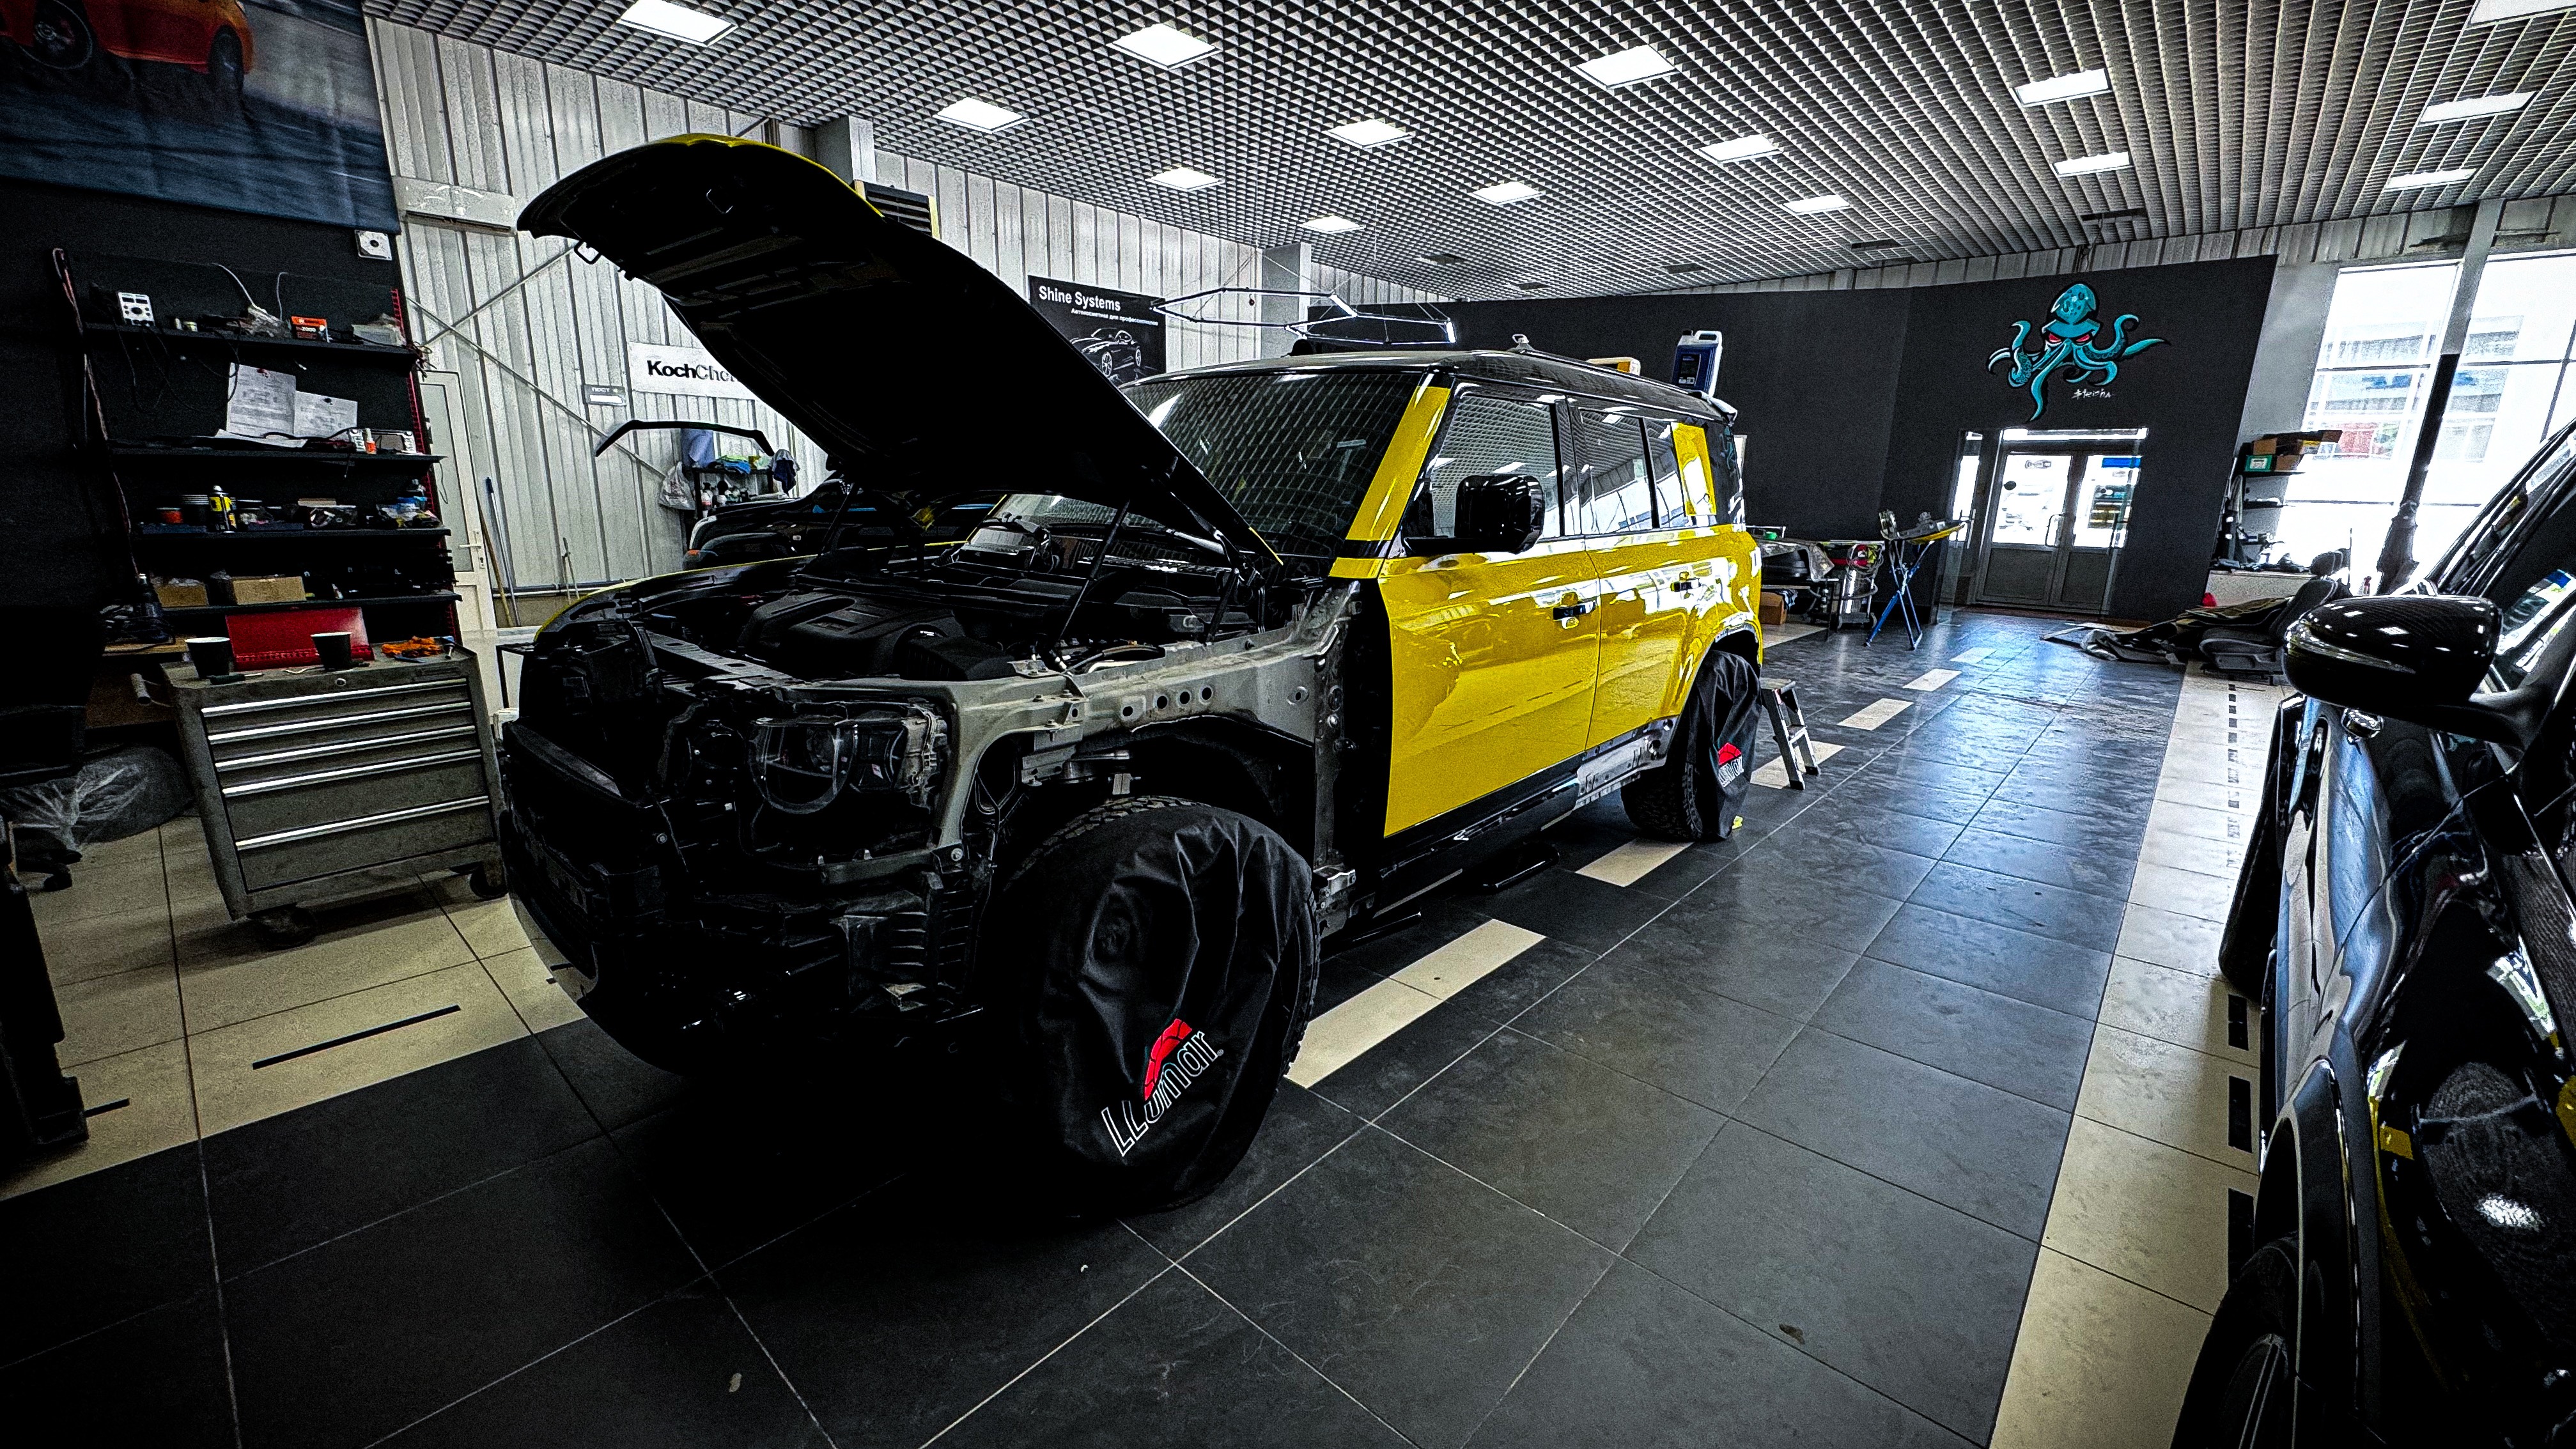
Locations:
833 636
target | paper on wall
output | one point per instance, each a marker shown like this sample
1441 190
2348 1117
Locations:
318 416
260 405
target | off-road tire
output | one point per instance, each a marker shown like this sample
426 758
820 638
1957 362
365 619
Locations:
1690 796
2239 1396
1162 862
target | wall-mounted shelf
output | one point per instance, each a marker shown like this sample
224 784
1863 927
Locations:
308 457
198 610
101 334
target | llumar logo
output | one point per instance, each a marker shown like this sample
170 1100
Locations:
1178 1057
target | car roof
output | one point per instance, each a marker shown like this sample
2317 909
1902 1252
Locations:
1538 369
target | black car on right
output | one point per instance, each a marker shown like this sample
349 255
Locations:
2405 916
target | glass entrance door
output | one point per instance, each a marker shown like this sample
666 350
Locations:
2057 514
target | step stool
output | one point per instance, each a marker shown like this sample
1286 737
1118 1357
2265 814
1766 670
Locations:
1779 699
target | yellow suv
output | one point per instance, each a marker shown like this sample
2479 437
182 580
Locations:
1090 715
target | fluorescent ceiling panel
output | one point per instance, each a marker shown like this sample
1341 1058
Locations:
1184 178
1504 193
2092 165
679 22
977 115
1627 67
2419 180
1164 46
2471 108
1742 148
1330 224
1371 132
1816 205
2068 87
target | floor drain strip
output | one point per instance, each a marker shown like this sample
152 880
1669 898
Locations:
340 1041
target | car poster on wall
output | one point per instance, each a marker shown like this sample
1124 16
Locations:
1120 332
265 106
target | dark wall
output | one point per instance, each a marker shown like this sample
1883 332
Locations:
59 526
1814 373
1854 401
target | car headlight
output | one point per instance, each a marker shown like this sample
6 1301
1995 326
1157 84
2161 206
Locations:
802 763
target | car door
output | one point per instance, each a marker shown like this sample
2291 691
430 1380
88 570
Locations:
1630 510
1492 658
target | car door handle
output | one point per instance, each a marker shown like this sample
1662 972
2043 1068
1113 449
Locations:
1684 586
1571 612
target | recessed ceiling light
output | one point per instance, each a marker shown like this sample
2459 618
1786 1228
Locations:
2417 181
1813 205
1443 259
2091 165
676 21
1531 286
1184 178
977 115
2472 108
1637 63
2068 87
1371 132
1504 193
1742 148
1330 224
1677 268
1874 246
2123 214
2489 11
1164 46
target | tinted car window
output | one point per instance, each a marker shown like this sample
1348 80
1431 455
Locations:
1485 435
1618 495
1292 451
1672 505
2523 558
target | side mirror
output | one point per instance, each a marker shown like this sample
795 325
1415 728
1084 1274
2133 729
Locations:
1499 513
2415 657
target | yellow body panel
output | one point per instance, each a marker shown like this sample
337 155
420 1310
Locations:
1382 507
1652 585
1489 686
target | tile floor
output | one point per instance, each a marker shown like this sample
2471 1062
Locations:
1901 1118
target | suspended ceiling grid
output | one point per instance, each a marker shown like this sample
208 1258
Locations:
2236 115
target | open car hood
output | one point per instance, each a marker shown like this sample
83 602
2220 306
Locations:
918 370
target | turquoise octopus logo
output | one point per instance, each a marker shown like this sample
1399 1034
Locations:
2068 342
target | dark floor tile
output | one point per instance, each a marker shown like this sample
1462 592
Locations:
1955 804
2103 797
1173 1365
1385 1073
1916 1300
101 1247
1644 1365
1444 919
1777 942
155 1379
1573 908
1695 1044
1585 1145
1683 873
1878 817
2037 969
1954 771
287 1182
2096 870
1300 1129
1517 984
2111 834
900 1312
680 1373
736 1166
1800 859
1986 1037
358 1337
1418 1290
2024 905
1981 1150
617 1086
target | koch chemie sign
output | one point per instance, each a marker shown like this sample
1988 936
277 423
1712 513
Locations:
1118 332
688 371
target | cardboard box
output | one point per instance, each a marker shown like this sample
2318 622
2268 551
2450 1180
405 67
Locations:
180 593
1774 608
268 589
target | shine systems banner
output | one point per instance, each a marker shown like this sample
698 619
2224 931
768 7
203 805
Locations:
264 106
1120 332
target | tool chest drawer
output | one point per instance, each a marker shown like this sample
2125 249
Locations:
313 783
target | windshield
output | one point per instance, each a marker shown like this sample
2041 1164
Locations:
2522 557
1292 451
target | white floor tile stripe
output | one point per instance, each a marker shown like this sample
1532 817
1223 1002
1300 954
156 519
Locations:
1871 716
1630 863
1971 656
1932 679
1776 775
1340 1036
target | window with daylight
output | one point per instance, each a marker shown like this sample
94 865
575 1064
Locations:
2383 337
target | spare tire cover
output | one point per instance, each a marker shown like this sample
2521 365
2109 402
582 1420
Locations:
1155 962
1715 734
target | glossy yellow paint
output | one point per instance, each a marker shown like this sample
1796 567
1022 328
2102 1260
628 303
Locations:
1650 587
1490 687
1382 507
